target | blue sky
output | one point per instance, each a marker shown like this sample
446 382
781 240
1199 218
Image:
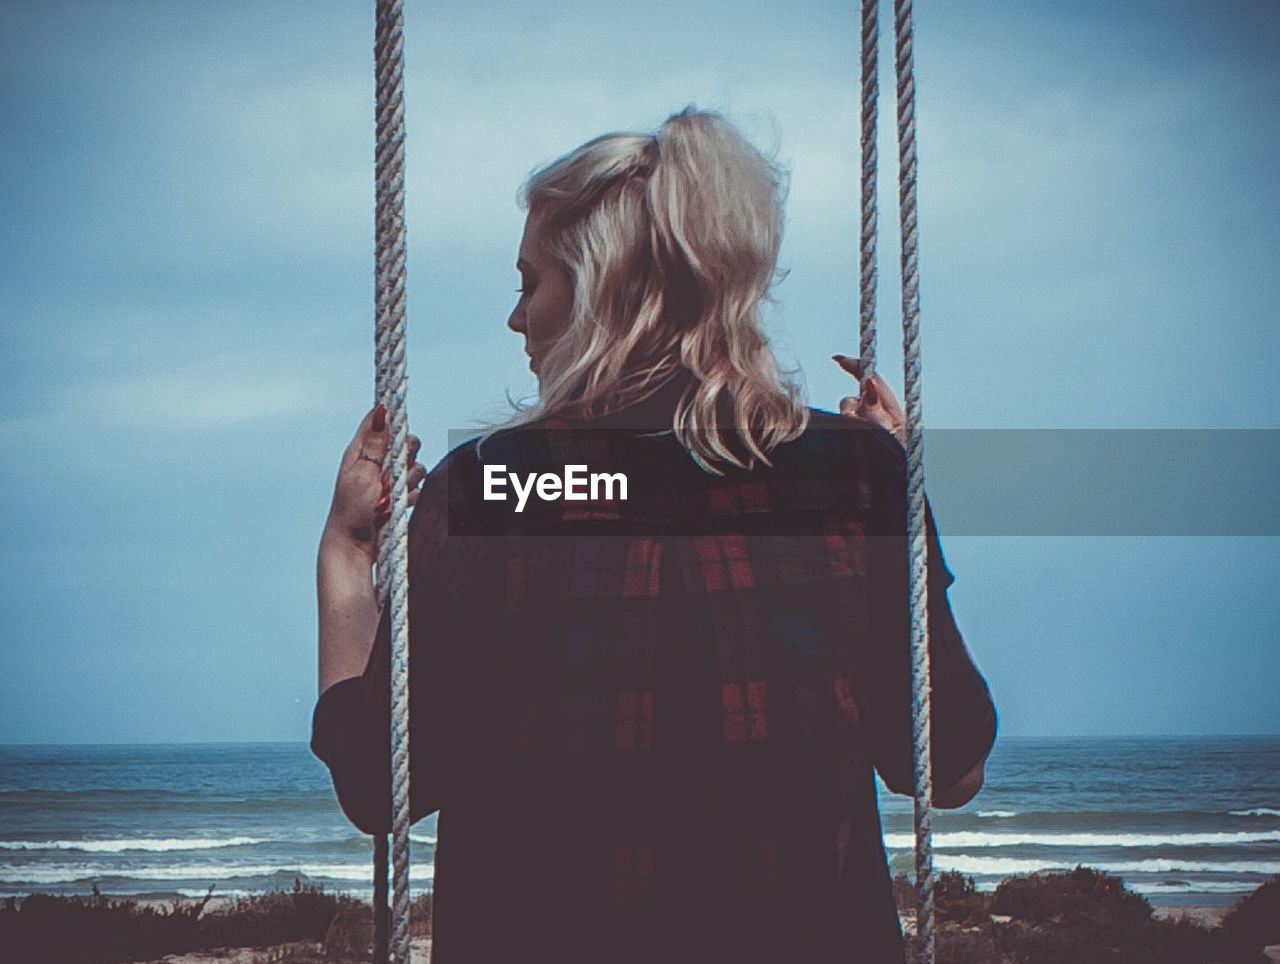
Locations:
185 311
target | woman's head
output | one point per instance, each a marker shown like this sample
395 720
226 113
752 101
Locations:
659 250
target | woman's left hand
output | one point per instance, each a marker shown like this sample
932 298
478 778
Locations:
362 493
877 403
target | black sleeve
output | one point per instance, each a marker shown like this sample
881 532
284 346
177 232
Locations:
962 713
351 723
351 731
352 738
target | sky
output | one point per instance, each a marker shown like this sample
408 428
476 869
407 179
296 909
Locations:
186 206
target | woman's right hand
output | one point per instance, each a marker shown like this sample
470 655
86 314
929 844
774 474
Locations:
362 493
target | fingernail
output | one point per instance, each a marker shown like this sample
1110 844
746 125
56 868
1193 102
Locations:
380 418
869 393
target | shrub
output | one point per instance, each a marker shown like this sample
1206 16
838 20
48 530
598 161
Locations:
956 899
350 935
1255 920
1082 893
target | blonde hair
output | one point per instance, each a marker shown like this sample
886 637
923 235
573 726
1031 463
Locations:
671 241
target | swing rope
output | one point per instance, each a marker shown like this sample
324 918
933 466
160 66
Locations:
393 538
919 586
867 252
916 537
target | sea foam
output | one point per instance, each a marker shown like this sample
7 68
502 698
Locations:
72 873
1005 866
153 844
1159 887
971 838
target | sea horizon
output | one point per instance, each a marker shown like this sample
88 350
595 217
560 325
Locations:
1000 738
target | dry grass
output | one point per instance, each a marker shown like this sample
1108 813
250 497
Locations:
1068 918
102 930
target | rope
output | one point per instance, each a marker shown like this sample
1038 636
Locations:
867 252
919 588
916 536
389 284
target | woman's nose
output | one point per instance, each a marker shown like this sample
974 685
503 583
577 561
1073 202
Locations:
516 321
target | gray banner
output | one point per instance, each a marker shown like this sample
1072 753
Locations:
1099 482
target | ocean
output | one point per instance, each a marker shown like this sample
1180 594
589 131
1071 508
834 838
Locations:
1183 821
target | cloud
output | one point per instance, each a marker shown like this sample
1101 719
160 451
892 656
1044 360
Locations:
215 393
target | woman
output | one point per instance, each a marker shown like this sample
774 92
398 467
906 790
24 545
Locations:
650 717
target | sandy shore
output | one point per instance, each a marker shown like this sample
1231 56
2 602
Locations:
1205 916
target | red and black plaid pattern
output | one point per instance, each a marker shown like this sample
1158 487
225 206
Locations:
653 717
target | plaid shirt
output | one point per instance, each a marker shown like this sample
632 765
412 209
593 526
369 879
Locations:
650 726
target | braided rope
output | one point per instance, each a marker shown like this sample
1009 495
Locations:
393 541
867 248
919 589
